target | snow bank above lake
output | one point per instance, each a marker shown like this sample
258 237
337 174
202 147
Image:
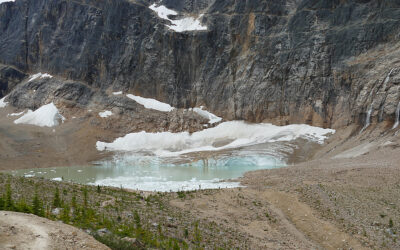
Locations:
234 133
180 25
45 116
39 75
151 103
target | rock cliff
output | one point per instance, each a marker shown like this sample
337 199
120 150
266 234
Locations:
321 62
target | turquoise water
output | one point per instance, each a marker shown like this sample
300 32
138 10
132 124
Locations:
151 173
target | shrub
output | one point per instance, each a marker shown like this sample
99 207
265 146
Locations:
57 200
136 217
37 205
197 233
22 207
9 204
85 197
73 202
65 214
2 203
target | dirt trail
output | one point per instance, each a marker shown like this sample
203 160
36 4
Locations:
270 219
26 231
302 216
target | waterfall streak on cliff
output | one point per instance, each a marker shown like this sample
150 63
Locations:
367 120
388 76
396 124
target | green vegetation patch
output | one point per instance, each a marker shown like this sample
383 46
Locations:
121 219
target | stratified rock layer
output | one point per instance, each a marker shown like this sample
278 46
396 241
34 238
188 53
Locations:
319 62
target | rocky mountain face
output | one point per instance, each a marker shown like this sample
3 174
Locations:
321 62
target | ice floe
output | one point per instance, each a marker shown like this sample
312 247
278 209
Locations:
160 185
236 133
179 25
151 103
45 116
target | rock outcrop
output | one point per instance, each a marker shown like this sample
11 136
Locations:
78 98
9 78
320 62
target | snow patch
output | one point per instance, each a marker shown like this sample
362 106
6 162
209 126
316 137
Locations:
151 103
238 133
16 114
117 93
180 25
45 116
3 103
210 116
39 75
105 114
5 1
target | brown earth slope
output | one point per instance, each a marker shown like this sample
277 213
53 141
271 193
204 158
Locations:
26 231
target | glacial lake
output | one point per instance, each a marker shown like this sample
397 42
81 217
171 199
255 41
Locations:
151 173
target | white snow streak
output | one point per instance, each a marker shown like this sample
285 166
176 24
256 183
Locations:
39 75
151 103
16 114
